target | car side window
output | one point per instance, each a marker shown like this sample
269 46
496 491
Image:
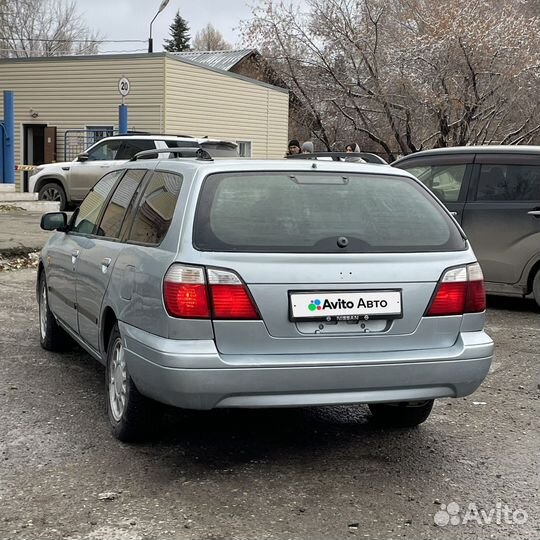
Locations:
498 182
156 208
122 199
182 144
106 151
129 148
443 180
90 209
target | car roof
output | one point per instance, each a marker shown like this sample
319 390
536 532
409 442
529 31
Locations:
165 138
484 149
271 165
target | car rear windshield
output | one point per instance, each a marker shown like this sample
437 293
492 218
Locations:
320 212
221 149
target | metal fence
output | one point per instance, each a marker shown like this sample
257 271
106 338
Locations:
76 141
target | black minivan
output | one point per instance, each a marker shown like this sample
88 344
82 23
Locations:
494 193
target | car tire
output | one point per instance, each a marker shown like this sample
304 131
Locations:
130 413
401 414
51 336
536 287
53 192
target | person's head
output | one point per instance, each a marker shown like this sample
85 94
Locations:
307 148
294 146
352 148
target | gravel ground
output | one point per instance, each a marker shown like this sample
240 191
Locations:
281 474
16 261
20 232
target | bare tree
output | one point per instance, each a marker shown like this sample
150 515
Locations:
403 75
479 68
43 28
210 39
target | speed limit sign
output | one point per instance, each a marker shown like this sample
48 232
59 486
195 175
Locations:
123 86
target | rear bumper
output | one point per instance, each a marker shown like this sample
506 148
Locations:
164 370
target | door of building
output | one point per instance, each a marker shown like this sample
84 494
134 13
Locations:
39 147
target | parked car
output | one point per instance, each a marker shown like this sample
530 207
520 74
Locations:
219 284
69 182
494 193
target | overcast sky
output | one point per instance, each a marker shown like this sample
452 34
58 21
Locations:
130 19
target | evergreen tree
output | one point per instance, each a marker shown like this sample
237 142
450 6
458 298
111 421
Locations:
179 31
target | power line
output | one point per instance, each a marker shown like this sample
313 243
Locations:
76 40
78 53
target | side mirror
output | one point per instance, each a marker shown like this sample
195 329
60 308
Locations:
82 157
54 221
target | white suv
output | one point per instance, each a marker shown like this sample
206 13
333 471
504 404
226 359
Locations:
69 182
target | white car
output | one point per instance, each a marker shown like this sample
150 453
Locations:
69 182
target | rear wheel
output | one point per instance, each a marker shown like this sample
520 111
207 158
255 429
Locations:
51 336
128 410
408 414
53 192
536 287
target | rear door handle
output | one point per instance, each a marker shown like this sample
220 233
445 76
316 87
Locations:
534 213
74 256
105 263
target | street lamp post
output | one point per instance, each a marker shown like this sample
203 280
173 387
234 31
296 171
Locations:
162 6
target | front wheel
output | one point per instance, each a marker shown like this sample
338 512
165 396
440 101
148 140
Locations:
128 410
407 414
53 192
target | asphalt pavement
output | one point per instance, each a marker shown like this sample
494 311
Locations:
470 472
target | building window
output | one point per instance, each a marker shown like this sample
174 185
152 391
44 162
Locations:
244 148
96 133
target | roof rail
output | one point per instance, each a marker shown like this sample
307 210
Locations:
366 157
153 134
196 153
172 135
130 133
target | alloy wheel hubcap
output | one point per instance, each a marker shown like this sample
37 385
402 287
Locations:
51 194
118 381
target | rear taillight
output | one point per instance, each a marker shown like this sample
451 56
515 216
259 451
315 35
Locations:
230 297
476 292
185 293
460 290
188 293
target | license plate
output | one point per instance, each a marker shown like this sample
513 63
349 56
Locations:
345 305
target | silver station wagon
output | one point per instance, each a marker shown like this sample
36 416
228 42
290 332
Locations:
215 284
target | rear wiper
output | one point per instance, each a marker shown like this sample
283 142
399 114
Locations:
319 180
